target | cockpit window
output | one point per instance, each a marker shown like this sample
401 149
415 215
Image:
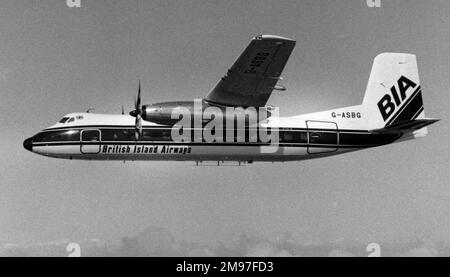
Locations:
63 120
71 120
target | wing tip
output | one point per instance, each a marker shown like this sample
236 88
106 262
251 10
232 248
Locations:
272 37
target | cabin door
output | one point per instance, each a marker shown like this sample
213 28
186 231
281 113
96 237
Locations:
322 137
90 141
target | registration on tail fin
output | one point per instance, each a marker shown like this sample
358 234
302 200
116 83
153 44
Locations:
393 99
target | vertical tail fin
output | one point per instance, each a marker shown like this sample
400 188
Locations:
393 93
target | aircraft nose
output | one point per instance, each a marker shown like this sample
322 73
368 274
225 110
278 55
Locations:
28 144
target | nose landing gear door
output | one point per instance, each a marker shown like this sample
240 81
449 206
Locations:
322 137
90 141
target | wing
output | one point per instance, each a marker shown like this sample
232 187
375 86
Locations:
254 75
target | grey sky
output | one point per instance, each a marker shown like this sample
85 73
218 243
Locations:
55 60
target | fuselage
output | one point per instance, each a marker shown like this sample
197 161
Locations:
92 136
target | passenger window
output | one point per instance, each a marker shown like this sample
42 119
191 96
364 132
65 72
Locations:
166 135
157 135
90 135
288 137
293 137
300 137
314 137
148 135
323 137
63 120
252 135
118 134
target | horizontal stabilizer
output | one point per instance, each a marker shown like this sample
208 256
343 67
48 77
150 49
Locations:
407 126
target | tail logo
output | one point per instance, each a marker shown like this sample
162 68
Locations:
389 102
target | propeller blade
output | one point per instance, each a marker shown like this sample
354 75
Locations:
136 130
138 127
137 113
138 100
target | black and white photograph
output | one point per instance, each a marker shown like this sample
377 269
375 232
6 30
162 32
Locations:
224 129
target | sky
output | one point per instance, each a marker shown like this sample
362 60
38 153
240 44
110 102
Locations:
55 60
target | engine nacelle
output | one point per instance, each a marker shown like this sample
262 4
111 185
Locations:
162 113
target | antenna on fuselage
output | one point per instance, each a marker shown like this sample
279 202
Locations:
123 111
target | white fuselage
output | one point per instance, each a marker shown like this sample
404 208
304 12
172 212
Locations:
110 137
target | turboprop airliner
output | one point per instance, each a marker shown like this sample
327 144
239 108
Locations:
391 111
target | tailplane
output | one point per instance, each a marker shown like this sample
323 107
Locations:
409 126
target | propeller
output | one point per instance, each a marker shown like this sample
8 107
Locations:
137 113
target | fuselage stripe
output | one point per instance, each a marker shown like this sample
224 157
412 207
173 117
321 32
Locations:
205 144
169 127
